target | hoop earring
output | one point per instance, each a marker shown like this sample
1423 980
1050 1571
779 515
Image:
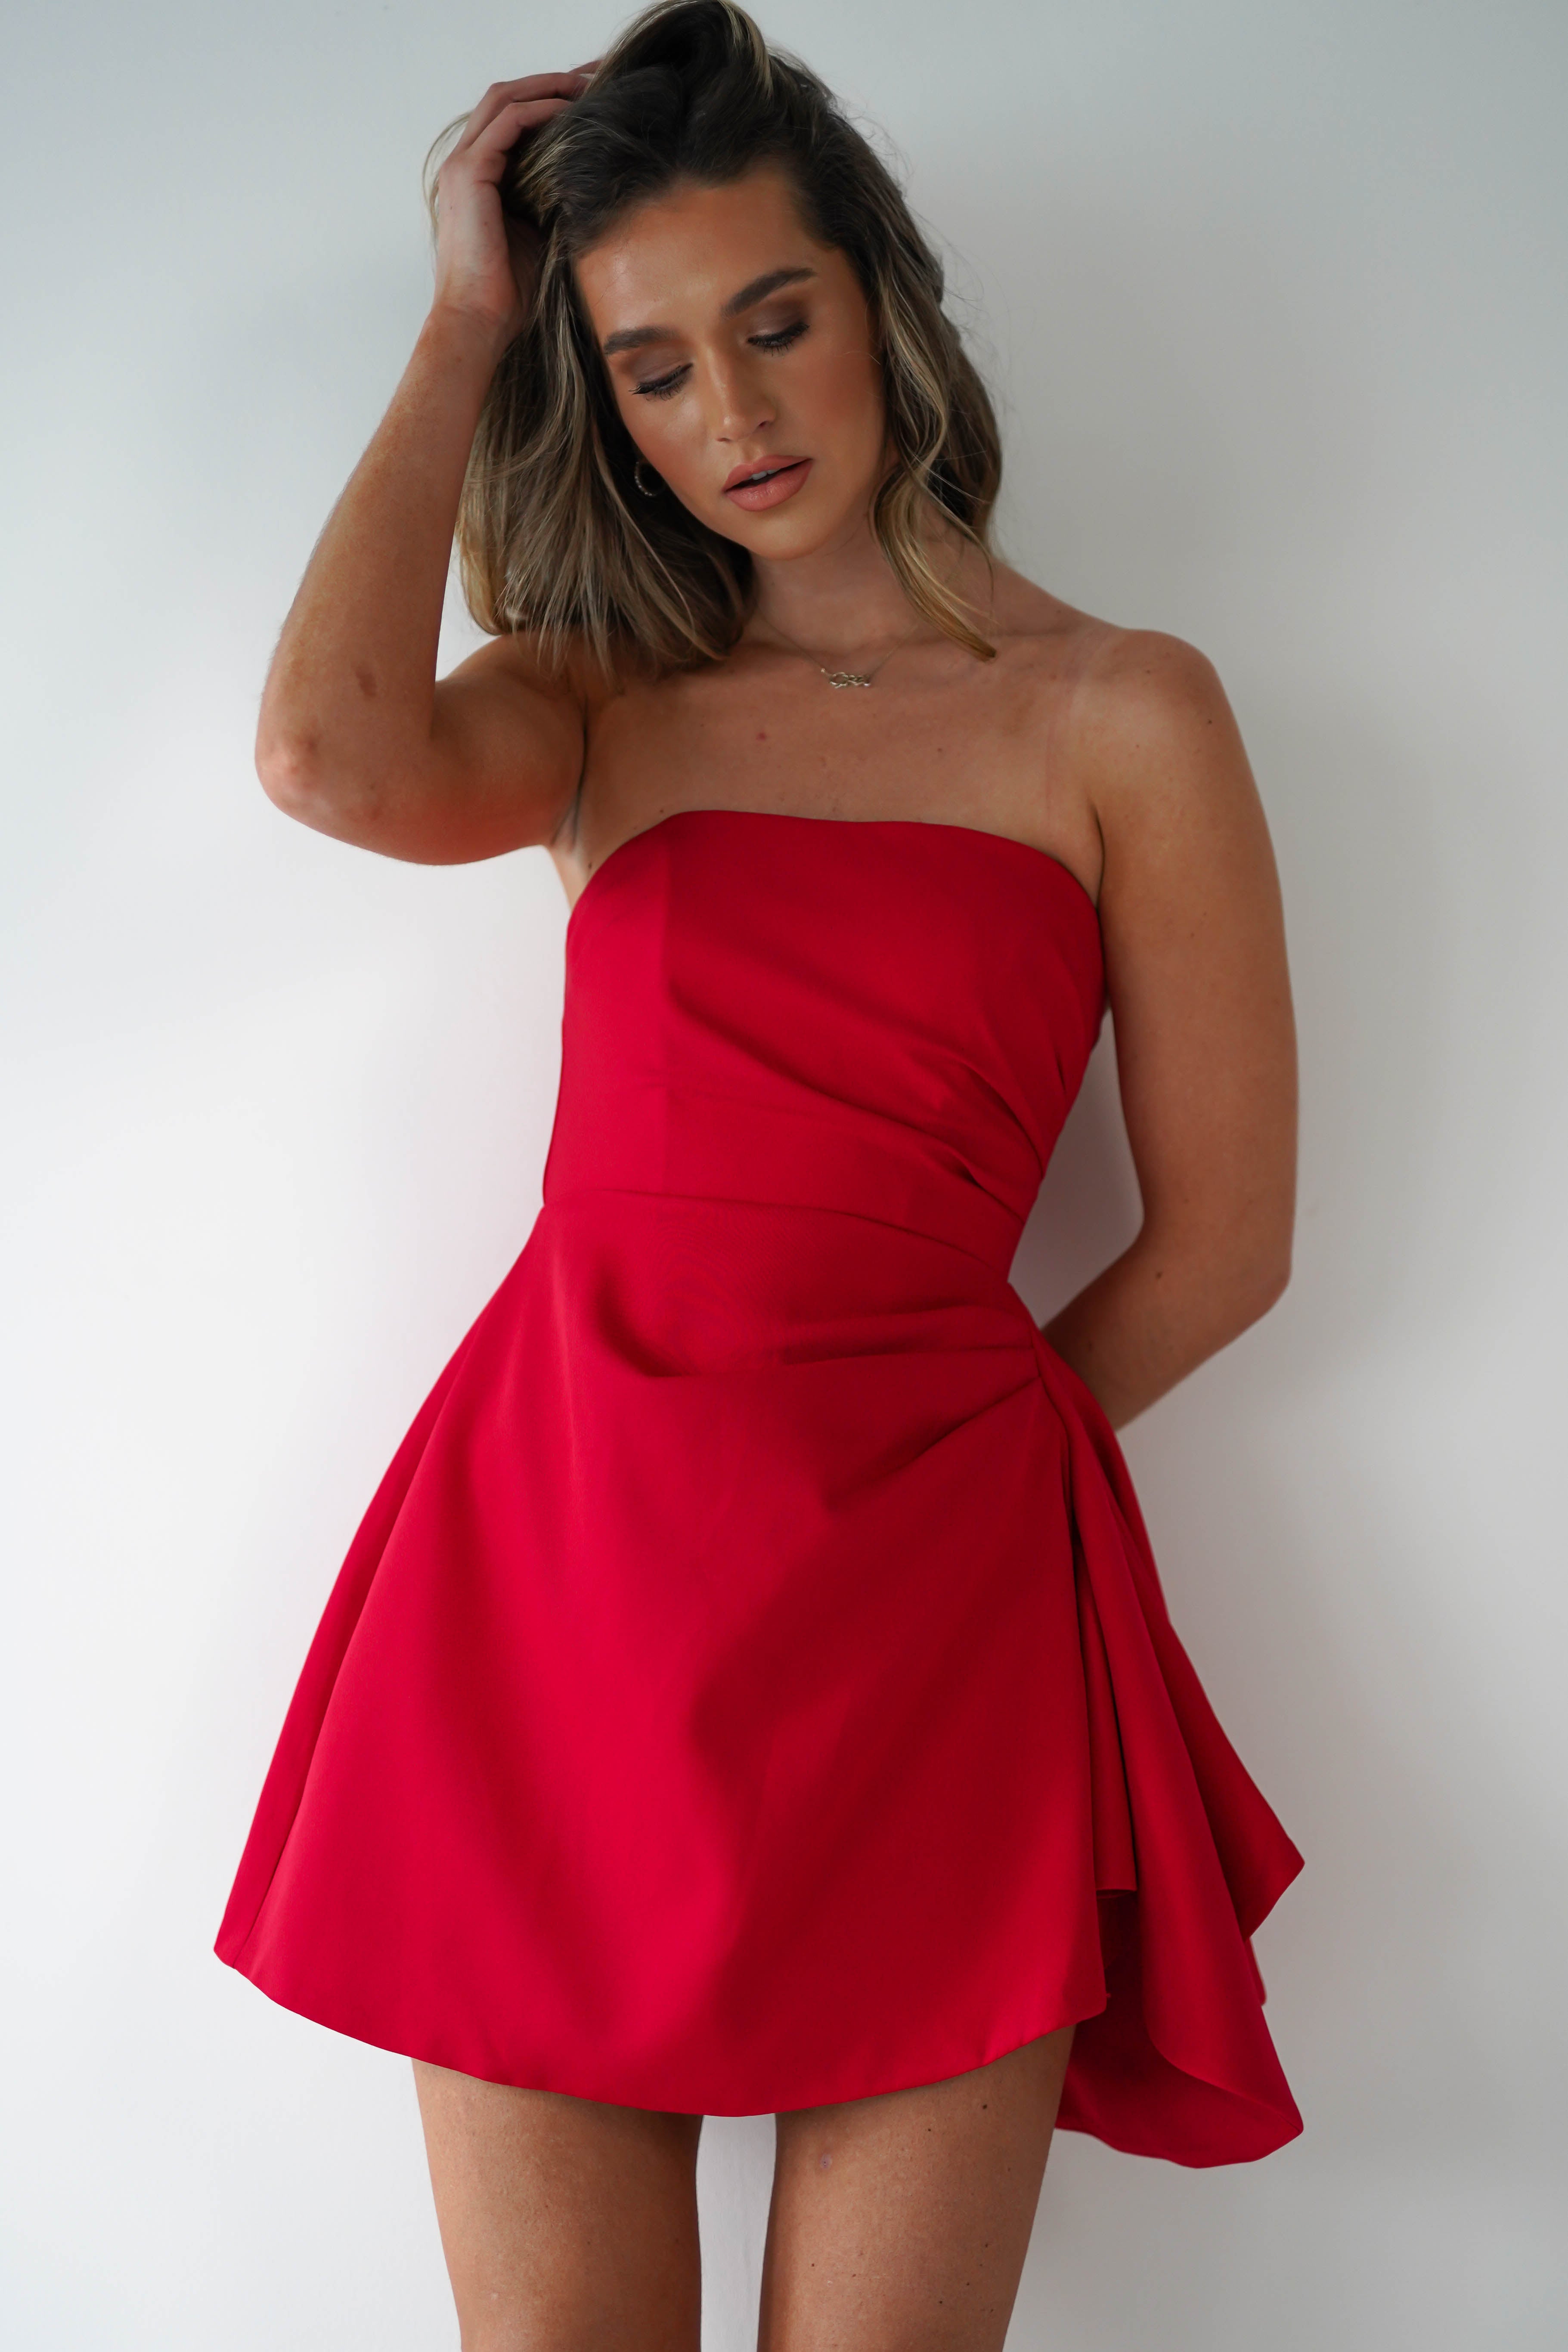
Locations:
637 476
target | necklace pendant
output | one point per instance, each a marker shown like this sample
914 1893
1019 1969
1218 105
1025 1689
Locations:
845 678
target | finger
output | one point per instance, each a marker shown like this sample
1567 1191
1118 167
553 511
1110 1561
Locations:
512 123
550 85
501 94
528 113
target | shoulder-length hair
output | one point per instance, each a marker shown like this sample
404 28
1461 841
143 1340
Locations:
551 535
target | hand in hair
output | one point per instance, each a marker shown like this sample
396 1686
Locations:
486 254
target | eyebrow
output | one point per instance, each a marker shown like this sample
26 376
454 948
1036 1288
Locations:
633 339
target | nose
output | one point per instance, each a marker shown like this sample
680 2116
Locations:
740 404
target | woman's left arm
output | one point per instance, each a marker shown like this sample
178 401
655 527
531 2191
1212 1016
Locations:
1200 999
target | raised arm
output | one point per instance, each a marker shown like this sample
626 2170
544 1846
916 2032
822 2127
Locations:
1200 997
357 737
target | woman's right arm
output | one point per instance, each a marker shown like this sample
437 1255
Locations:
357 737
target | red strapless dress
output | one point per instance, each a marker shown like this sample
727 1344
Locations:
750 1685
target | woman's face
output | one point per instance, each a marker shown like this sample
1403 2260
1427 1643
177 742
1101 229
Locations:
740 348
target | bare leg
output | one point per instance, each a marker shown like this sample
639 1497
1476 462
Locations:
900 2223
568 2225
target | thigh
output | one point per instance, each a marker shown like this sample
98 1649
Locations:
568 2225
900 2223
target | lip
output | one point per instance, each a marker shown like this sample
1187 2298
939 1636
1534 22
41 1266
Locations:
785 476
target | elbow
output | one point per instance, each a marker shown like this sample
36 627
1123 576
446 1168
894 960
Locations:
1261 1280
1218 1283
289 776
297 780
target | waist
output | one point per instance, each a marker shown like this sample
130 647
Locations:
692 1147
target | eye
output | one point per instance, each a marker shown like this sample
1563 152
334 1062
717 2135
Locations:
781 340
661 386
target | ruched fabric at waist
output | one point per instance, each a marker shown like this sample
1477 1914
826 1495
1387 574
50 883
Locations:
686 1144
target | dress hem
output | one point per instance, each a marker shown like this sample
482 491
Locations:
1278 2130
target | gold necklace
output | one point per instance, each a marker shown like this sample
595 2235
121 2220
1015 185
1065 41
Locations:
847 677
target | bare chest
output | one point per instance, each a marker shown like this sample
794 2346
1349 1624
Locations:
949 740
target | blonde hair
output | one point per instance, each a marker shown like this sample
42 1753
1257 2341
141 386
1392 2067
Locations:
552 537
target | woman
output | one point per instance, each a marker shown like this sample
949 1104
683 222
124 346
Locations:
750 1689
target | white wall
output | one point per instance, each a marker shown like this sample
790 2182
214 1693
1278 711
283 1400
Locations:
1274 298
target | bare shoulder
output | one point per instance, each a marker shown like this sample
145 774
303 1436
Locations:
1150 718
1162 764
1130 696
1138 722
1191 909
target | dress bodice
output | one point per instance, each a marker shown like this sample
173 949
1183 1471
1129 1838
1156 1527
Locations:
887 1017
